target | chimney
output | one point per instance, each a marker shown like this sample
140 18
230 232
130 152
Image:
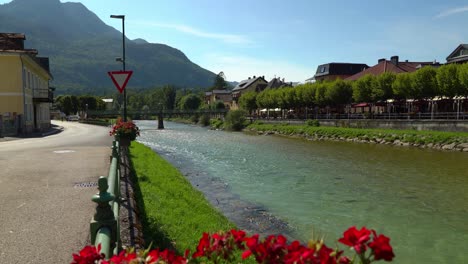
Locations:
381 60
254 77
394 60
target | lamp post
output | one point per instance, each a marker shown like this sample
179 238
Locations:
123 60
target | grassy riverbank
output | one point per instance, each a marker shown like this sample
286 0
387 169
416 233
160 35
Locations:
174 214
429 139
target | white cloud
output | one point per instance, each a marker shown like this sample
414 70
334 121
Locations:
237 68
228 38
452 11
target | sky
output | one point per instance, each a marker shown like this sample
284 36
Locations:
289 39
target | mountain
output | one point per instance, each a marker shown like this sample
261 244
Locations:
82 49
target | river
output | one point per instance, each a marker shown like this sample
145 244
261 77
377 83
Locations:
419 198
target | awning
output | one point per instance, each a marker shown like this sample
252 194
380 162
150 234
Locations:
361 105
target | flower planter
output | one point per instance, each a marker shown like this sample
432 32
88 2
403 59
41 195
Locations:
125 142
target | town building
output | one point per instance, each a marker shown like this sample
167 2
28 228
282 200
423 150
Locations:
277 82
459 55
256 84
215 96
393 65
25 95
336 70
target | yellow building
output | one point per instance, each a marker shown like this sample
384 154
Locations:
25 95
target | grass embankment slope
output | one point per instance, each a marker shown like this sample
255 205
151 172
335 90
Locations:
382 136
174 214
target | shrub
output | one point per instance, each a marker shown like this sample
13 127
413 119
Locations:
204 120
195 118
312 123
216 123
235 120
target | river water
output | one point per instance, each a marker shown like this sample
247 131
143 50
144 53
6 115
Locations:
419 198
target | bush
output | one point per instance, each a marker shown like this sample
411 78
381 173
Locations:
204 120
195 118
216 123
235 120
312 123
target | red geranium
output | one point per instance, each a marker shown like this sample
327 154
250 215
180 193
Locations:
356 238
381 247
88 255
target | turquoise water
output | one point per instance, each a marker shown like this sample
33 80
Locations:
419 198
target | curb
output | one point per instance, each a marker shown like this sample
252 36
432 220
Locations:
53 131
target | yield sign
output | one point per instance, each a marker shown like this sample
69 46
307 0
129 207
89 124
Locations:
120 79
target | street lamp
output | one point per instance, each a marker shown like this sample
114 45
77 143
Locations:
123 60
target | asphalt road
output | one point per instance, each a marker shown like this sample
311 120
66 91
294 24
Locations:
44 216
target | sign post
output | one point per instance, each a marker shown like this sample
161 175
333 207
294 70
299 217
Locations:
120 79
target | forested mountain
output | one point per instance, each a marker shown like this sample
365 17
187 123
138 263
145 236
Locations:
82 49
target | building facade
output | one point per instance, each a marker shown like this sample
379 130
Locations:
336 70
25 95
256 84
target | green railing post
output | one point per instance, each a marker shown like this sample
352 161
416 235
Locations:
104 216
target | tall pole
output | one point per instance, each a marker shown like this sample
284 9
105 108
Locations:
123 58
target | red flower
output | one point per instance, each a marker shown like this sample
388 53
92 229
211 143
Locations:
203 248
381 247
88 255
356 238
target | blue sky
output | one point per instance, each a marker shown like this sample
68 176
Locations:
290 39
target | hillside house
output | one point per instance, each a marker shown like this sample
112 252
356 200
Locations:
336 70
223 96
393 65
256 84
277 82
459 55
25 95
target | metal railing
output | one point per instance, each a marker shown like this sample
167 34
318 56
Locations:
379 116
105 227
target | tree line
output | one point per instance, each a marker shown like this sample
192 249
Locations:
428 82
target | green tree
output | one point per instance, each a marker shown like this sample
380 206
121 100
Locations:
382 87
362 89
448 80
190 102
320 93
67 105
463 77
235 120
219 82
169 93
402 86
339 92
425 83
248 101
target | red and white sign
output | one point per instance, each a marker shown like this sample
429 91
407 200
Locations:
120 79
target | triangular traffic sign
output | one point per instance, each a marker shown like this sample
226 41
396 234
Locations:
120 79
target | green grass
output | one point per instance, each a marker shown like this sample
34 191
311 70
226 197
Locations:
174 214
410 136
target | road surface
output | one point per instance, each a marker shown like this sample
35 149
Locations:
44 213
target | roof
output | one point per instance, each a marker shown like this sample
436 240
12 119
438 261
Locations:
108 100
221 92
460 54
277 83
388 66
246 83
339 68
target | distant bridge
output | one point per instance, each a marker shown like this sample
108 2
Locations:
153 114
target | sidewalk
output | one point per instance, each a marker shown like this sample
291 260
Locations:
46 184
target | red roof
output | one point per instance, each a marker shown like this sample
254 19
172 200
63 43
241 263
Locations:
387 66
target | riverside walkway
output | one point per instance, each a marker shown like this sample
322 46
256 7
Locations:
45 195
